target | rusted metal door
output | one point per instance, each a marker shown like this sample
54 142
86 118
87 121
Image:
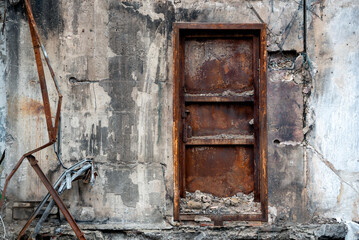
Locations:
217 113
218 122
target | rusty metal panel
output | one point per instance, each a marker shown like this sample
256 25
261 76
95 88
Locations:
219 113
220 119
218 65
220 170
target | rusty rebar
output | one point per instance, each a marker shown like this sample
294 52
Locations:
55 197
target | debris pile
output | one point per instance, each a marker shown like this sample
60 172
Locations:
205 203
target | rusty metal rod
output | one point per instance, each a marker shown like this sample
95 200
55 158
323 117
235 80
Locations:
37 35
41 73
8 178
56 198
47 196
74 177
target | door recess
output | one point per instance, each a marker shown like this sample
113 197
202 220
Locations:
220 137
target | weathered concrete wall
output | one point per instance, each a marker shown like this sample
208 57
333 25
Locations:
3 103
285 136
333 108
114 63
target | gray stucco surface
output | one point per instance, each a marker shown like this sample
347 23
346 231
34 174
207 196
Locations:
3 91
333 109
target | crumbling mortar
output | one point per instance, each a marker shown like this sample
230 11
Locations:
240 231
287 57
307 84
289 143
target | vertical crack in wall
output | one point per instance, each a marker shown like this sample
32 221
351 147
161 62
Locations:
307 79
305 26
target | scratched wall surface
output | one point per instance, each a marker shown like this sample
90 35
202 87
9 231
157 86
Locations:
114 64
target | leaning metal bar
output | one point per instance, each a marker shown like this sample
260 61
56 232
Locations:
41 73
47 196
52 203
17 167
52 137
36 39
37 36
57 199
28 9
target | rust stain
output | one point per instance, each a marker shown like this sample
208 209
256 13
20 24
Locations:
25 106
29 106
220 170
214 119
218 65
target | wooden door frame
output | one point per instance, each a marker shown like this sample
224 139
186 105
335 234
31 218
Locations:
180 30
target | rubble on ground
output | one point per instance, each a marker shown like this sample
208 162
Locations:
205 203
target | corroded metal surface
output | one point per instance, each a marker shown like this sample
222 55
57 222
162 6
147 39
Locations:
56 198
219 112
217 65
82 170
220 170
215 119
215 69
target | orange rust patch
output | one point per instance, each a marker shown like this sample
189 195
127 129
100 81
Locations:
31 107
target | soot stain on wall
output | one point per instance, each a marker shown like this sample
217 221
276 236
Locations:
119 182
130 59
48 16
75 21
95 143
13 32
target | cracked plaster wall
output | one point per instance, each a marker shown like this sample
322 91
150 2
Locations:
114 64
332 152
